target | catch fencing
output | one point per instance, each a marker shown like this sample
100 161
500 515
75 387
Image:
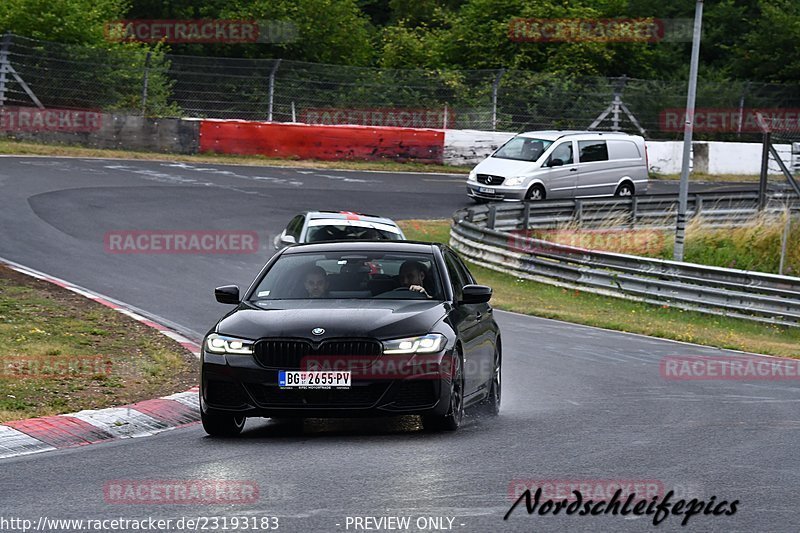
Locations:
147 81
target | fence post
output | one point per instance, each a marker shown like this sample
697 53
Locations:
634 211
741 109
4 66
495 87
145 82
762 182
784 240
492 216
617 102
272 87
578 211
444 118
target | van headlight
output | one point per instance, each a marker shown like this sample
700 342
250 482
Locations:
473 176
517 180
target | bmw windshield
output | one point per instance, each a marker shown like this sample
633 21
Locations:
351 275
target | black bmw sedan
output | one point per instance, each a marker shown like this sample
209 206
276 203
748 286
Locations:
347 329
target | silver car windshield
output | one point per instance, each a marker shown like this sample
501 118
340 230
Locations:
336 232
523 149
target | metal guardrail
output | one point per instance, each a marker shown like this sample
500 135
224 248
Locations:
482 235
653 211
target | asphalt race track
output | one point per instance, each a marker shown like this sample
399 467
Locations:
578 403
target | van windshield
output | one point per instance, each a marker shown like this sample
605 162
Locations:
523 149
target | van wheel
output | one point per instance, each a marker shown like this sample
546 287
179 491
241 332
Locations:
625 189
535 193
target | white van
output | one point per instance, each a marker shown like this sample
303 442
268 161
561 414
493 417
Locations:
561 164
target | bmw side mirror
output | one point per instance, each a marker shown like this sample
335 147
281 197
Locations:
229 294
475 294
555 163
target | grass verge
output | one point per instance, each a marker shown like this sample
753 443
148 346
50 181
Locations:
538 299
697 176
29 148
756 246
63 353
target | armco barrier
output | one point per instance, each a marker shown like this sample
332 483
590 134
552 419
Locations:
321 142
721 291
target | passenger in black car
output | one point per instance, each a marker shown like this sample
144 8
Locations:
316 282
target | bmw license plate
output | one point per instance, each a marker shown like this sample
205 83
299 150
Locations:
487 190
314 380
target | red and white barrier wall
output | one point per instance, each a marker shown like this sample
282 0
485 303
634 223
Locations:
449 147
345 142
306 141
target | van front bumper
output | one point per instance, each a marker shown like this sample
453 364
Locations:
484 192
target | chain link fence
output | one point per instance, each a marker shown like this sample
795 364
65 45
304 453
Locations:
138 80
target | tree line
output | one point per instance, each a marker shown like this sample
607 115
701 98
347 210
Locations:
755 40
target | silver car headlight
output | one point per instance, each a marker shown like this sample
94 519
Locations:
516 180
228 345
430 343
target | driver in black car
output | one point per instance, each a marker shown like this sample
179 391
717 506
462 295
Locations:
316 282
412 276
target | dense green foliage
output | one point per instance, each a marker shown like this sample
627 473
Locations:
743 39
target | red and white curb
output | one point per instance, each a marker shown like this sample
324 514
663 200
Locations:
34 435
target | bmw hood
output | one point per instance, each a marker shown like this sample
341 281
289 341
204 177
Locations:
380 319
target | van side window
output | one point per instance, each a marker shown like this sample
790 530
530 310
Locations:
563 152
593 151
619 149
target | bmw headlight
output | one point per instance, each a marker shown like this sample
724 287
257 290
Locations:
228 345
430 343
513 182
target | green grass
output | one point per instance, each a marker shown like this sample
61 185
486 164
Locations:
28 148
753 247
696 176
63 352
539 299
